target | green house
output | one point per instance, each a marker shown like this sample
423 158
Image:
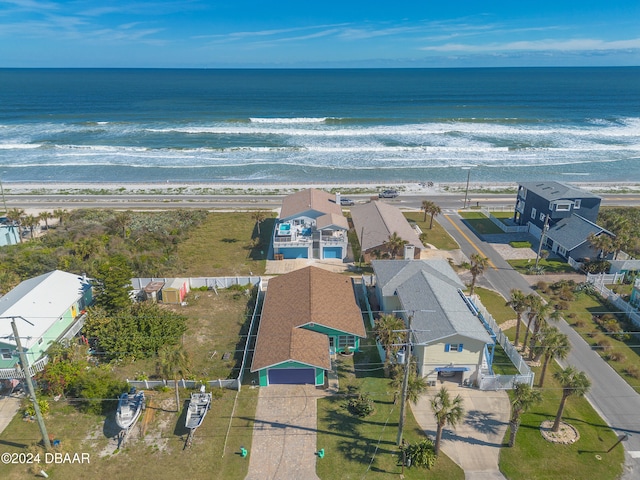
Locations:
308 315
53 305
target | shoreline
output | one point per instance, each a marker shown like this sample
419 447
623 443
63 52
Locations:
279 188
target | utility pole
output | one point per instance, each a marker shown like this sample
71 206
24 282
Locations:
27 377
4 200
466 192
545 228
405 383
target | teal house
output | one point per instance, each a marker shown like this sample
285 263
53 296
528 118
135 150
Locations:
53 306
308 316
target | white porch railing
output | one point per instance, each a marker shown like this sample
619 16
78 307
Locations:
38 366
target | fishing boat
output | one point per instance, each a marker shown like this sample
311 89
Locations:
198 407
129 407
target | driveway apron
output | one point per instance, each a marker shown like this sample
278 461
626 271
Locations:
284 433
475 443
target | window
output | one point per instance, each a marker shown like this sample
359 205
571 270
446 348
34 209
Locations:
533 213
346 341
6 353
453 347
576 203
563 207
541 217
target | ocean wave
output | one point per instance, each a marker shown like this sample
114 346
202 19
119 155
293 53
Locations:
19 146
289 120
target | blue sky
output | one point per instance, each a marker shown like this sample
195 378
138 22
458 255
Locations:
301 33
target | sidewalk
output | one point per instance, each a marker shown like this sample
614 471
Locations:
9 406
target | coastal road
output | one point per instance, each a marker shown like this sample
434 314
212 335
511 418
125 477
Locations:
616 402
233 201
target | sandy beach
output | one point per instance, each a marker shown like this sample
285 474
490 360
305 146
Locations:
246 188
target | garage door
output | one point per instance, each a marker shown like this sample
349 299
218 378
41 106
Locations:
332 252
294 376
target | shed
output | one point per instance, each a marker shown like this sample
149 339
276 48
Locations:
175 290
152 290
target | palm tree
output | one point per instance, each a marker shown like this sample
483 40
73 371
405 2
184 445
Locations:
434 211
259 216
391 333
544 312
122 220
446 411
416 386
46 216
602 242
394 244
533 304
573 382
478 266
173 361
426 206
518 303
16 215
524 397
61 214
30 222
554 344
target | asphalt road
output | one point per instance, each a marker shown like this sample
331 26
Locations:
610 395
223 202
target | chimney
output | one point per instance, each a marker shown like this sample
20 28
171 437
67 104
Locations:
338 196
409 252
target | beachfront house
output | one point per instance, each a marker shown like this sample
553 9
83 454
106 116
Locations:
311 225
449 339
47 308
308 315
375 222
540 202
567 215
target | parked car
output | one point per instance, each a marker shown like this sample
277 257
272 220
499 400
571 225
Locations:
388 194
346 202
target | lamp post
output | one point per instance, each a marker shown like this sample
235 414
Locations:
4 200
24 364
466 192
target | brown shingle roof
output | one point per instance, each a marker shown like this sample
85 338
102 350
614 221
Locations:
309 199
307 296
378 220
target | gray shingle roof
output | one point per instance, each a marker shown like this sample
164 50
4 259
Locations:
374 222
309 200
573 231
429 289
557 190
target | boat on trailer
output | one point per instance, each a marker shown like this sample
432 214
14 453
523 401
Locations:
130 406
199 405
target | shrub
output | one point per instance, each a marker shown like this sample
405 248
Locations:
616 357
632 371
578 323
30 411
520 244
542 286
562 305
98 390
420 454
361 406
604 344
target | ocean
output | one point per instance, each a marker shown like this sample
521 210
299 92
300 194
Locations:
318 126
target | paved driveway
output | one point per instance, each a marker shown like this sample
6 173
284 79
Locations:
475 444
9 406
284 433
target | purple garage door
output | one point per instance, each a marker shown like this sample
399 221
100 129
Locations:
294 376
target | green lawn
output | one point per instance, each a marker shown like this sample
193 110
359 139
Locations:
436 236
549 266
495 304
533 458
479 223
366 447
623 356
225 244
158 455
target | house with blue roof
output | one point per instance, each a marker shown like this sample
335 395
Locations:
448 338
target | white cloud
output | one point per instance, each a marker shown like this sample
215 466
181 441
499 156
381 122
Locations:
538 45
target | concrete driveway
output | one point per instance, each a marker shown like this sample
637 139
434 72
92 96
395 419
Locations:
9 406
475 444
284 433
